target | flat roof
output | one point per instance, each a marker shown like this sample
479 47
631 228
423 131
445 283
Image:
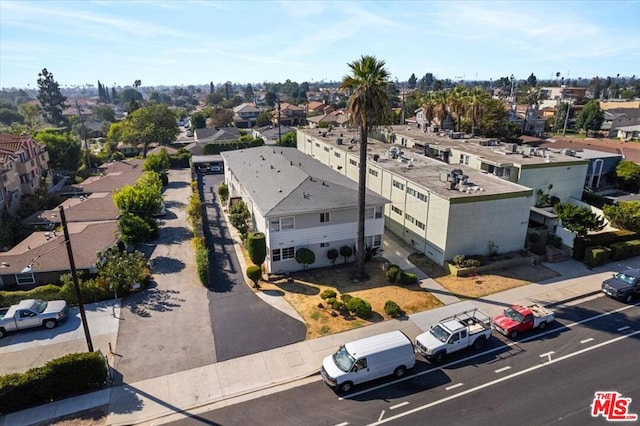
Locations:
427 172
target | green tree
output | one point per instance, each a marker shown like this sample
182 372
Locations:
257 247
121 269
64 149
591 117
628 174
31 114
411 84
135 229
248 93
52 101
143 199
264 118
580 220
532 80
158 163
129 95
149 124
254 273
624 215
221 117
239 216
368 107
223 192
198 120
305 257
8 116
290 140
137 84
105 113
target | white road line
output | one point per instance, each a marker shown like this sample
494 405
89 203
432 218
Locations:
500 370
457 385
547 354
586 340
504 378
381 414
342 424
500 348
626 327
402 404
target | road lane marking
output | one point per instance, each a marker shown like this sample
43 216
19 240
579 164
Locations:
626 327
402 404
547 354
503 379
500 370
381 414
342 424
457 385
497 349
586 340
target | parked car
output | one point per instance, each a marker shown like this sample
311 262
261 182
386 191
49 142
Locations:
517 319
32 313
368 359
623 285
463 330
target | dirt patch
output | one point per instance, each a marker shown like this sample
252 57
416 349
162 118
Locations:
93 417
483 284
302 290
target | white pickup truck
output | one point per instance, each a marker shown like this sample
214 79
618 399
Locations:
32 313
468 328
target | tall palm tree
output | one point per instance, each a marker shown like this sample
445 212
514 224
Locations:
368 106
428 104
442 104
478 99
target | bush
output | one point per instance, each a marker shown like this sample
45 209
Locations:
58 378
328 293
471 263
45 292
345 298
360 307
202 260
458 259
332 255
392 309
346 252
392 273
603 239
305 257
407 278
331 301
596 256
92 290
625 249
336 306
256 247
254 273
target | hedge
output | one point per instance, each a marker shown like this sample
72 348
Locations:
596 256
407 278
202 260
625 249
360 307
392 273
45 292
59 378
603 239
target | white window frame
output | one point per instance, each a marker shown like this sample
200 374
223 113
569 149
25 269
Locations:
21 281
288 253
373 173
324 244
325 217
281 224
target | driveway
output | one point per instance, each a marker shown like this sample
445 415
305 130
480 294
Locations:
167 328
243 324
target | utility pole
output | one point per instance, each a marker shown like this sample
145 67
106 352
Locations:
279 129
74 275
85 145
566 119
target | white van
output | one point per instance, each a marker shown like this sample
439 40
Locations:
368 359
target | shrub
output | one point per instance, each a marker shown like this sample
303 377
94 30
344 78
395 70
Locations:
194 210
625 249
470 263
223 192
392 309
596 256
336 306
331 300
328 293
345 298
392 273
202 260
256 247
92 290
360 307
58 378
346 252
407 278
604 239
458 259
332 255
45 292
254 273
305 257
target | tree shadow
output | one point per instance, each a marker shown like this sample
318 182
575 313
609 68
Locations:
292 286
166 265
153 300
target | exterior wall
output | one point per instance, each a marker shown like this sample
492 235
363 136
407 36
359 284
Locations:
567 179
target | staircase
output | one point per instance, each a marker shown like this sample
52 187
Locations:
555 254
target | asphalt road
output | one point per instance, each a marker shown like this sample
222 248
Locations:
542 378
242 323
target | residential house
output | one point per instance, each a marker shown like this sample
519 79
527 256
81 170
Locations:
271 134
113 176
289 115
629 132
530 120
211 135
305 204
334 118
315 108
93 207
440 209
434 125
615 119
23 161
245 115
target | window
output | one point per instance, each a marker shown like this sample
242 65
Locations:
324 217
326 149
324 244
373 241
373 173
281 224
464 159
308 140
27 278
337 154
409 218
411 192
398 185
422 197
396 210
373 212
353 162
288 253
420 225
317 145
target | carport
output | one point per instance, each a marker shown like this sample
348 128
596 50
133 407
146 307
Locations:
207 164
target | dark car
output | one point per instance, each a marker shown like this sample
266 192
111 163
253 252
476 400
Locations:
623 285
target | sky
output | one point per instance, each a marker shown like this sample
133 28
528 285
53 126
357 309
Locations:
196 42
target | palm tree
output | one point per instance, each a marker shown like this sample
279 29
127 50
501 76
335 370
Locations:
428 104
368 106
477 98
458 101
529 96
441 109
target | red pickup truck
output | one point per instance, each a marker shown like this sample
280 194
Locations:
517 319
